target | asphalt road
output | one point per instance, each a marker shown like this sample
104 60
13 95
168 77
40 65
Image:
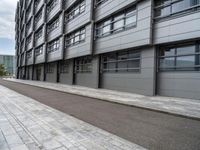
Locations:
150 129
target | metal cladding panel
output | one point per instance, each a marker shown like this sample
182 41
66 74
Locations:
89 79
139 35
81 49
179 84
80 20
52 77
110 7
41 58
41 3
41 75
141 82
177 29
67 78
55 11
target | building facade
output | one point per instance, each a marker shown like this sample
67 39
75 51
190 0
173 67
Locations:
9 62
150 47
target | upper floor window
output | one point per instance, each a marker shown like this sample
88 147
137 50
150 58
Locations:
164 8
51 5
99 2
75 37
29 40
125 61
75 11
83 65
116 23
53 46
38 17
53 25
38 34
39 51
37 3
180 58
29 54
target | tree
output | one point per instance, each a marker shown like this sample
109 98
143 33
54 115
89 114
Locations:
2 70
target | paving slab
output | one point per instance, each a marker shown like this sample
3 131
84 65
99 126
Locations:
35 126
178 106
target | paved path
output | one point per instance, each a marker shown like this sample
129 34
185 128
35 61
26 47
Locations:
178 106
26 124
152 130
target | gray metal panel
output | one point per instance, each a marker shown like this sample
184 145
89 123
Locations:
138 36
80 20
177 29
41 21
52 77
41 3
89 79
179 84
30 60
110 7
41 66
41 40
141 83
56 32
55 10
67 78
81 49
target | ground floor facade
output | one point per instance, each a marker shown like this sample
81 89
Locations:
172 70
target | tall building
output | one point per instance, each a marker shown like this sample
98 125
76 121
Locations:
150 47
9 62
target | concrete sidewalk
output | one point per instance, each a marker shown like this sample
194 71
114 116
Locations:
177 106
26 124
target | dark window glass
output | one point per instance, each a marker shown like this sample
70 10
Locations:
186 50
180 5
168 62
185 61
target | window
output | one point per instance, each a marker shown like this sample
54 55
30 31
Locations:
185 58
75 37
83 65
38 34
99 2
126 61
53 46
50 68
122 21
28 13
38 17
164 8
75 11
29 40
29 54
37 3
39 51
51 6
64 67
28 26
53 25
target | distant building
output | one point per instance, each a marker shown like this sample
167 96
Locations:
9 62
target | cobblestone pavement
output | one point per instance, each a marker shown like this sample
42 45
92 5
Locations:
179 106
26 124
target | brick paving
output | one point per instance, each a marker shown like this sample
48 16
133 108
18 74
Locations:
26 124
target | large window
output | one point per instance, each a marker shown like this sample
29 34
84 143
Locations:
165 8
39 51
119 22
64 66
29 54
52 4
75 11
53 46
83 65
50 68
126 61
75 37
180 58
28 39
53 25
38 17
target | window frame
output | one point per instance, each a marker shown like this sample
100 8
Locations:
82 63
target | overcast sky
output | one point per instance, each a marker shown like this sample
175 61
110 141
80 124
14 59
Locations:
7 26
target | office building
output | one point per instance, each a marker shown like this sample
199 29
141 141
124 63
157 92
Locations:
149 47
9 63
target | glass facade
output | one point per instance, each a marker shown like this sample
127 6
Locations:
9 63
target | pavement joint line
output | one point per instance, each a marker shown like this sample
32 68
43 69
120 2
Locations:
185 115
23 106
22 125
